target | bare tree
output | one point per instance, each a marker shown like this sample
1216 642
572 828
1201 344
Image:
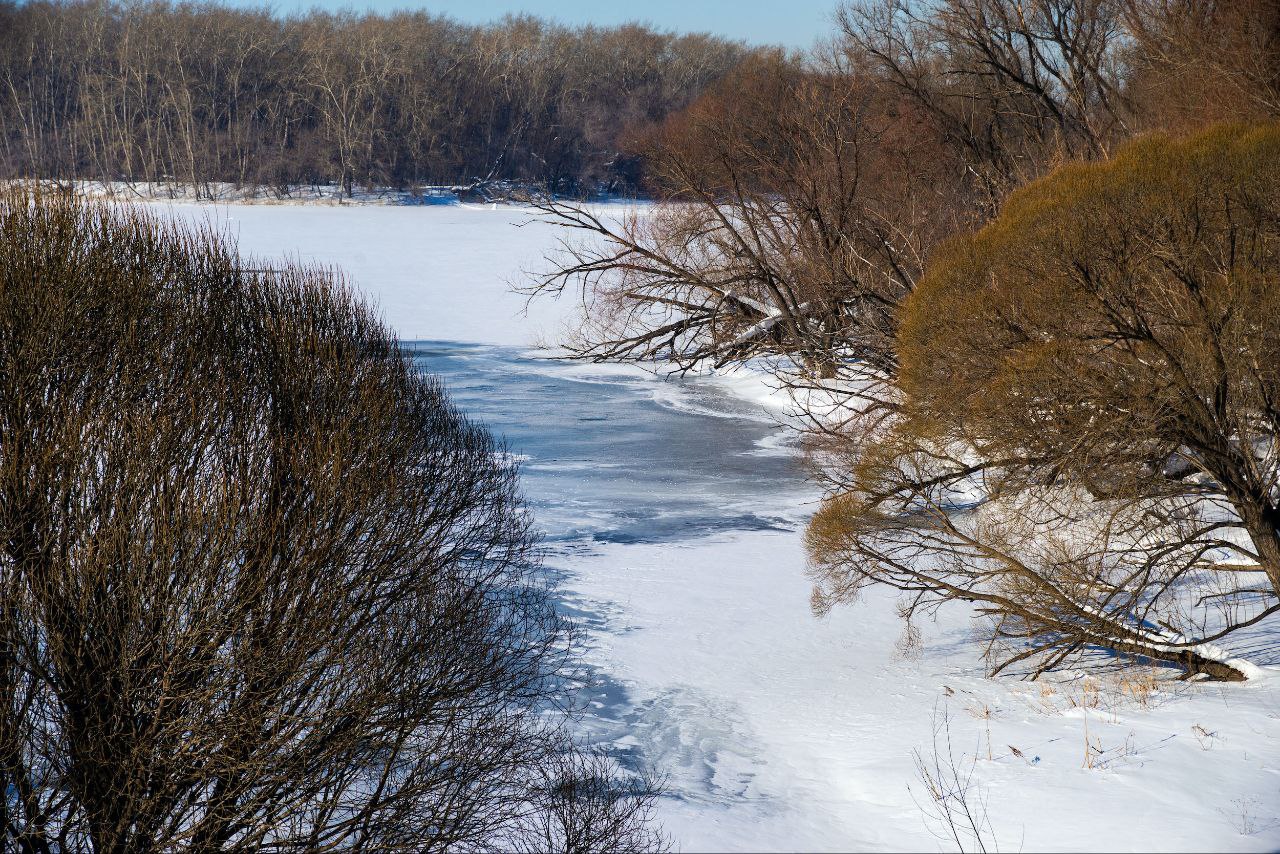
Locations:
192 95
1194 61
795 209
1017 86
263 587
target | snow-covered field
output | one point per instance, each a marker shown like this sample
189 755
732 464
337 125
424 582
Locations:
440 272
674 512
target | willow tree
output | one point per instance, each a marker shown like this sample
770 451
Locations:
262 585
1090 443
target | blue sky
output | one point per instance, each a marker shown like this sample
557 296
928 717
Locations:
794 23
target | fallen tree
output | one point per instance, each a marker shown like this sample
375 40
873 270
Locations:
791 220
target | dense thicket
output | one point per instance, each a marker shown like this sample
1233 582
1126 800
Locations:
263 586
802 197
198 92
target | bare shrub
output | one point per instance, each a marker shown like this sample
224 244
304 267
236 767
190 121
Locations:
955 806
263 586
586 804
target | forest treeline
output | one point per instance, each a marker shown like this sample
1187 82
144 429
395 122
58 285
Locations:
194 93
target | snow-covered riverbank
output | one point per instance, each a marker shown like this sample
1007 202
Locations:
674 514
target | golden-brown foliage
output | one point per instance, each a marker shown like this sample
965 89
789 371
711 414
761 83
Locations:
1119 318
1090 412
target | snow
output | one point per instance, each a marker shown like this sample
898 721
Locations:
438 272
780 731
795 733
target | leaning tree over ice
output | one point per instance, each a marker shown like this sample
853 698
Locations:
791 219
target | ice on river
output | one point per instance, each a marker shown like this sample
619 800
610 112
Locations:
673 511
436 272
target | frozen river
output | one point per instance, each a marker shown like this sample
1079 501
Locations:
614 456
618 464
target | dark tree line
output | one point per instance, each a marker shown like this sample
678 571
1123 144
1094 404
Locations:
194 93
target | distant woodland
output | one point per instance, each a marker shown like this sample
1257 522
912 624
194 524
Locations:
195 93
